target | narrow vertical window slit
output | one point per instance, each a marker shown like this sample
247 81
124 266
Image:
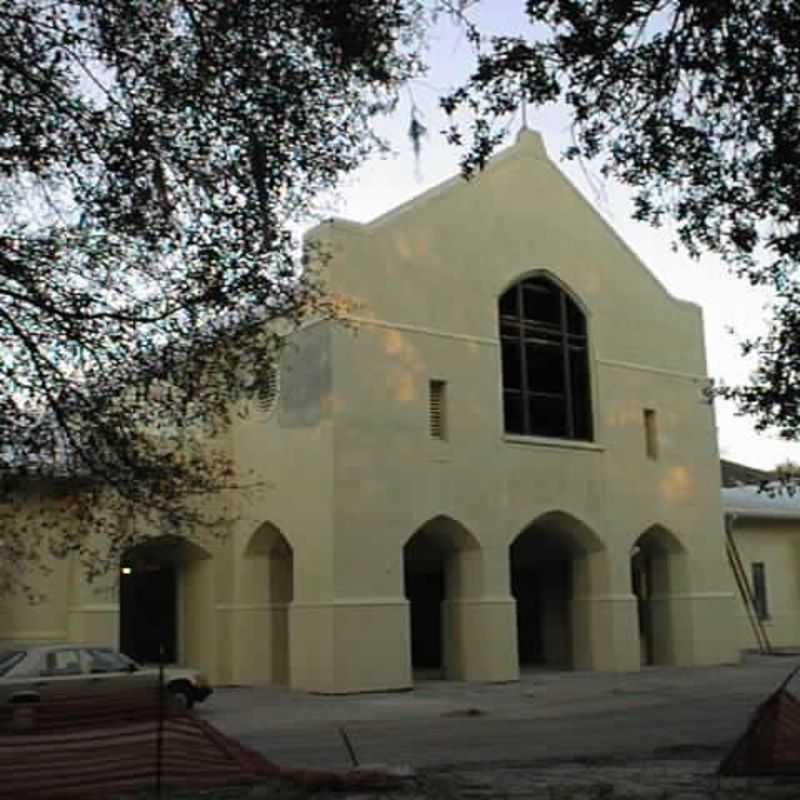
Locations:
650 433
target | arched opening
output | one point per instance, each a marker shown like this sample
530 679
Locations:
165 600
545 359
267 590
441 564
556 562
657 574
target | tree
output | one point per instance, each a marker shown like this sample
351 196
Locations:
692 103
788 471
154 158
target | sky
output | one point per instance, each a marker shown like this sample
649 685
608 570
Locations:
732 309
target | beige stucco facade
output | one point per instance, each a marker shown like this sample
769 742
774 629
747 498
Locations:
595 554
765 531
776 545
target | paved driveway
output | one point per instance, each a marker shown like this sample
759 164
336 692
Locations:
546 715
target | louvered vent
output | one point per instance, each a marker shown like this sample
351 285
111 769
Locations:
267 395
437 410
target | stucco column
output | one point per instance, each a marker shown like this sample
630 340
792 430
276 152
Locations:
479 619
481 641
321 630
350 645
605 630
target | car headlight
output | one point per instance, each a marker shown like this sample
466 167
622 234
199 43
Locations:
201 681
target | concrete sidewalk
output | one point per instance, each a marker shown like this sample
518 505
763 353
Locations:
544 715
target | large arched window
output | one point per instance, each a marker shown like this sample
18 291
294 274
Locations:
546 389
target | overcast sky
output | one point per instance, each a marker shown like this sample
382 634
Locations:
727 303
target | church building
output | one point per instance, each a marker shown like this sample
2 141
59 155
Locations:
506 459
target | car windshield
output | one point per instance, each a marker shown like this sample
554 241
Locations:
9 659
134 665
109 661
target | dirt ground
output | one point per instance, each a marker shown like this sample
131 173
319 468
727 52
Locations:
678 777
658 734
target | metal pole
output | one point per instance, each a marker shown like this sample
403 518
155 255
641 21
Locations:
762 638
160 730
348 745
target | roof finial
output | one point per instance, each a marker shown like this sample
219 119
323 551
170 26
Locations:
524 108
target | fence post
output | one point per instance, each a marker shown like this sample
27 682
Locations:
160 731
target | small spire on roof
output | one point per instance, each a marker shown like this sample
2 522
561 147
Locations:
532 139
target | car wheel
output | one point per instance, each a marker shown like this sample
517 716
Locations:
183 696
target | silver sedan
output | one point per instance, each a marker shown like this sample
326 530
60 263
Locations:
41 672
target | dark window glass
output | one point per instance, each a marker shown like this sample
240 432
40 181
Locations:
546 387
508 303
545 368
580 392
548 415
535 332
760 591
512 365
542 303
510 329
576 322
512 407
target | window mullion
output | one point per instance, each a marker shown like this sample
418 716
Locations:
526 415
565 361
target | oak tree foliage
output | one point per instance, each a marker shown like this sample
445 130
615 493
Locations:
695 104
154 158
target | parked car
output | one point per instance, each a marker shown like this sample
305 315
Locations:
39 672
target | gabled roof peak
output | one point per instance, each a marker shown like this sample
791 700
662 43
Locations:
531 140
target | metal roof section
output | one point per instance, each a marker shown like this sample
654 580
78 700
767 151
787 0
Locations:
773 502
736 474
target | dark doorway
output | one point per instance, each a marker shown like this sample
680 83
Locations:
657 575
542 592
441 564
641 584
148 612
526 591
425 590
